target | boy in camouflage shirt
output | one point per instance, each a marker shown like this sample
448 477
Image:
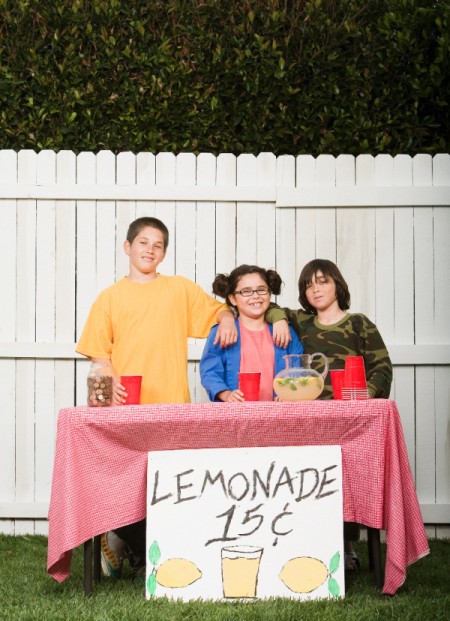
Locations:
325 326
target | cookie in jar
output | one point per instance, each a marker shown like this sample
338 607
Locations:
100 383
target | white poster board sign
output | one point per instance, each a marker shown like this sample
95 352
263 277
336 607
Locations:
247 523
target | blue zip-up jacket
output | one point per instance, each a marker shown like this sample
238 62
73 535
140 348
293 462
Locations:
219 366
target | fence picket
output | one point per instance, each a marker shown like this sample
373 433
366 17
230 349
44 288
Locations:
25 331
246 213
285 235
8 243
326 217
186 217
226 216
45 328
126 210
384 252
404 300
165 211
441 176
65 295
106 227
204 245
424 331
145 176
265 212
206 223
86 250
356 240
306 226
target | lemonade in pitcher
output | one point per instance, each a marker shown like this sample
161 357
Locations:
298 381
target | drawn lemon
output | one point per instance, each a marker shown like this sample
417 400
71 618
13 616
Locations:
303 574
176 573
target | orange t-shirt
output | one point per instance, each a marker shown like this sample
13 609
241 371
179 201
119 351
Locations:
143 328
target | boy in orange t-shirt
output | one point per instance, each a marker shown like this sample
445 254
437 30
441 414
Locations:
140 325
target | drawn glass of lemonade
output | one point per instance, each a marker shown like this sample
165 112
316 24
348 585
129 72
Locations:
240 567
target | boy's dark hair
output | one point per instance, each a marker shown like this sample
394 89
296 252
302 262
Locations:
225 285
329 270
136 227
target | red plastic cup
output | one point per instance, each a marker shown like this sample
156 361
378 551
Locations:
132 385
355 374
249 385
337 382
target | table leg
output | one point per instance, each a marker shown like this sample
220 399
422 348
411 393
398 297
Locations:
87 567
97 559
91 563
373 540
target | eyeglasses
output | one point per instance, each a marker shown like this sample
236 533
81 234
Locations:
248 291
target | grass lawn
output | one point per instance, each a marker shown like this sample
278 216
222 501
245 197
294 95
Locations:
28 593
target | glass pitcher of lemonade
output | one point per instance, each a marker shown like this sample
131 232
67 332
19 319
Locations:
298 381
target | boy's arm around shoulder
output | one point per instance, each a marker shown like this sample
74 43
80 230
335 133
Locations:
205 311
275 313
281 318
293 316
295 346
278 317
226 332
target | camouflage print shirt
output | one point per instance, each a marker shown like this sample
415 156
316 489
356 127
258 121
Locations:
354 335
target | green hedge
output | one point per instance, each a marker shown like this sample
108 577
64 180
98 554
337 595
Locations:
286 76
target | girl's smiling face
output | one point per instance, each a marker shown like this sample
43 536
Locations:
255 305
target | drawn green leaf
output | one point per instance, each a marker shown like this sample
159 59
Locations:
151 584
334 563
333 587
154 553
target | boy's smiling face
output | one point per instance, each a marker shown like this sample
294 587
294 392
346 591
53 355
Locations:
146 252
321 292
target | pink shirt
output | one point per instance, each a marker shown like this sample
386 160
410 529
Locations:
257 354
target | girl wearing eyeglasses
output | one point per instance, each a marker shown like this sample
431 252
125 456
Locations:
247 290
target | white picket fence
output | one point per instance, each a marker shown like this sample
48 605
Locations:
63 219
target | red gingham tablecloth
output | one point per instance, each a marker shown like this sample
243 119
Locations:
99 476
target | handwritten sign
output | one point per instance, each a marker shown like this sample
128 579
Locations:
245 523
